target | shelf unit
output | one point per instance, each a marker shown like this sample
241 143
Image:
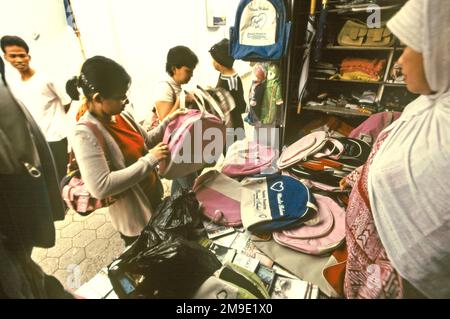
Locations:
389 54
346 81
336 110
298 11
356 9
361 82
347 48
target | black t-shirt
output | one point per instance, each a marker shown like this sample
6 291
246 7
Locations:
233 84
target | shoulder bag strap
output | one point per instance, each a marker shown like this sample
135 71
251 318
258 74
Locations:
174 94
100 138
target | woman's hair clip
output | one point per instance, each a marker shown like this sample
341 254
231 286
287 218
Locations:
84 83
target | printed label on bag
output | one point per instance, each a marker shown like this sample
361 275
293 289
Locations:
258 24
261 203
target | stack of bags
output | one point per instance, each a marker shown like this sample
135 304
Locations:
322 159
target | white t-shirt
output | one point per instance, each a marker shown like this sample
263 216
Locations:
164 91
45 101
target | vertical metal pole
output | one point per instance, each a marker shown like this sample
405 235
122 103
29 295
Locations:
77 31
287 73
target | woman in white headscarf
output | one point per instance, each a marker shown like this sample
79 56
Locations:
398 219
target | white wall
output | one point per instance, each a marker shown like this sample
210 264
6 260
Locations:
42 24
136 33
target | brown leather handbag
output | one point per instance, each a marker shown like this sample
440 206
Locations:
357 34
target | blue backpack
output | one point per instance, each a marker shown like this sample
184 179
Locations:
260 32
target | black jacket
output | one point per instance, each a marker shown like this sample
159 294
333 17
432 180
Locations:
30 198
236 89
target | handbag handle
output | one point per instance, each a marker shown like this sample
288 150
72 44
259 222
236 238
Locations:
334 152
212 101
198 98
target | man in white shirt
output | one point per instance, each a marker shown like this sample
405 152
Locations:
46 102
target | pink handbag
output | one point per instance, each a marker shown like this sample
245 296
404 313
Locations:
195 133
77 197
317 144
220 198
74 192
320 235
245 158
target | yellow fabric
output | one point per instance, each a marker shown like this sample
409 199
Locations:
359 76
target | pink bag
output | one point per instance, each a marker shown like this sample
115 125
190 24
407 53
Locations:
369 130
74 192
320 235
245 158
196 133
77 197
220 198
317 144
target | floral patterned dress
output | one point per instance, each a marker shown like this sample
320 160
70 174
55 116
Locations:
369 273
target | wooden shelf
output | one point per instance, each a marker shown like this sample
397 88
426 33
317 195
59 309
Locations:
333 52
349 81
344 48
352 9
348 48
388 84
335 110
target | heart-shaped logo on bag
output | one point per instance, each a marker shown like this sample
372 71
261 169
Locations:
277 187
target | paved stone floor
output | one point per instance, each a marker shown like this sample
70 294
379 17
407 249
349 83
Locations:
84 245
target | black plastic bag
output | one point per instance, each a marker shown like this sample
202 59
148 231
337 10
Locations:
162 263
177 216
172 269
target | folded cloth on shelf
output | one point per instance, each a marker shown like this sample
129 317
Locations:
368 97
362 69
324 69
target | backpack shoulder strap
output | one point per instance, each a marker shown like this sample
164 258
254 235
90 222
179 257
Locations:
97 133
99 136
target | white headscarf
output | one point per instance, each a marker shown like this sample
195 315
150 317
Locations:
409 179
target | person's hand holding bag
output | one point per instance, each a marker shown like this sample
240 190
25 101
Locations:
160 151
177 113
